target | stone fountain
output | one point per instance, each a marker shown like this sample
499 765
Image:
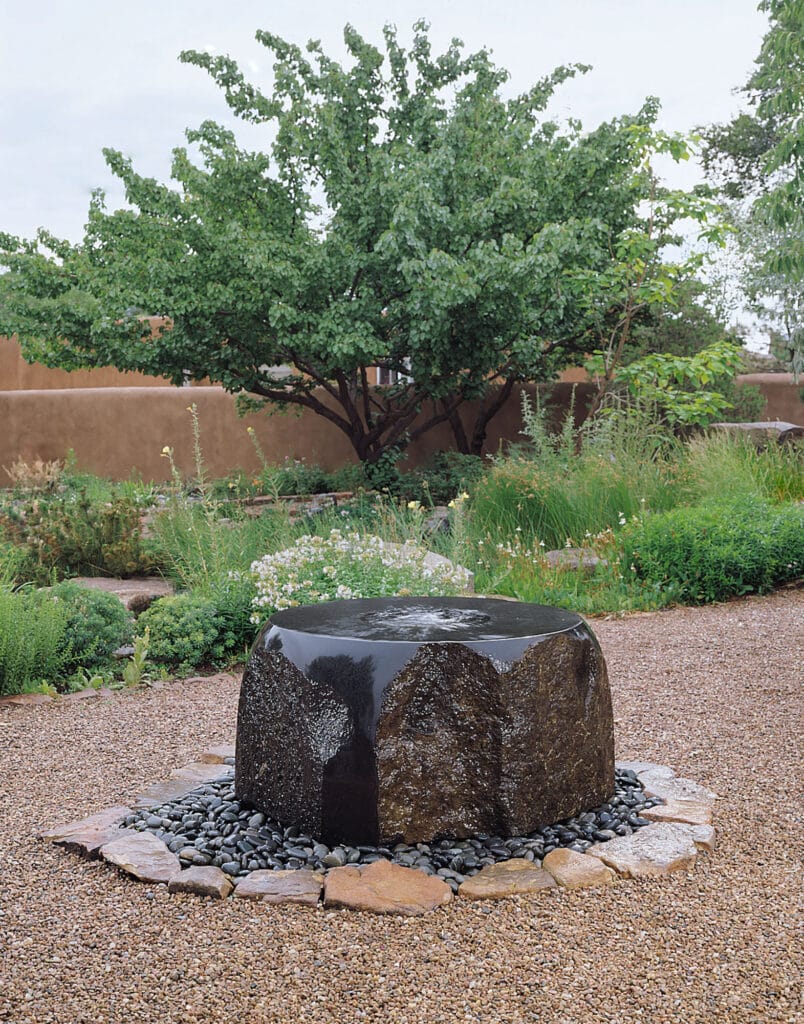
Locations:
411 719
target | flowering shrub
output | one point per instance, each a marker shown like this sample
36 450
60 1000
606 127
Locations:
345 566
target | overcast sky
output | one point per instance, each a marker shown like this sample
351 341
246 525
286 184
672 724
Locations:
78 75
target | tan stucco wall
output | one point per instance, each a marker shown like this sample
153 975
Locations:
120 429
17 375
783 396
117 431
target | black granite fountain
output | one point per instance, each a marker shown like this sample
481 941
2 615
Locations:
413 719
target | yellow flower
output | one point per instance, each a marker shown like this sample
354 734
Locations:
414 505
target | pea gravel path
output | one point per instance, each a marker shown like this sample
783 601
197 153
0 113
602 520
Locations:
713 692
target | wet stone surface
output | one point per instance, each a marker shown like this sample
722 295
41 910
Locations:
354 718
208 826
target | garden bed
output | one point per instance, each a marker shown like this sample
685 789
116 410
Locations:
711 691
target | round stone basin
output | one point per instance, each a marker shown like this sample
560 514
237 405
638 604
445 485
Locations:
409 719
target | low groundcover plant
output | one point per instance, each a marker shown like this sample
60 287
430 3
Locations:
348 565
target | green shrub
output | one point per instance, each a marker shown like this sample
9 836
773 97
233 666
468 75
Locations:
723 463
199 549
184 631
347 565
97 624
32 647
187 630
445 475
712 553
71 534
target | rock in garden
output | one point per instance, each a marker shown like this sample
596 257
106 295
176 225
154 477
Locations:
515 877
385 888
691 812
657 850
88 835
143 856
301 886
574 870
374 722
201 881
218 755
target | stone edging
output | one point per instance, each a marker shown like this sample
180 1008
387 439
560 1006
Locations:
680 829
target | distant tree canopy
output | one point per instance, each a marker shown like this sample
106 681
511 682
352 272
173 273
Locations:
405 216
757 159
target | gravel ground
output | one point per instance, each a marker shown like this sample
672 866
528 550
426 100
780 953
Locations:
714 692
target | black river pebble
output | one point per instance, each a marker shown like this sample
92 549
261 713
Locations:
208 826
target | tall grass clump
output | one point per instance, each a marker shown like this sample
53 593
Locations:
32 647
548 491
723 463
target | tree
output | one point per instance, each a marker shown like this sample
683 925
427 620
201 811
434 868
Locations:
757 160
407 216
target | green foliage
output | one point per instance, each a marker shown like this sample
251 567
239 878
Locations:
720 463
549 493
184 631
464 242
97 624
70 534
32 645
680 329
680 388
135 669
343 566
714 552
758 160
200 544
446 475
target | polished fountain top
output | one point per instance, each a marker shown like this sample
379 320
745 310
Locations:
422 620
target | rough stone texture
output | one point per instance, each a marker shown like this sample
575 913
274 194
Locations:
431 780
573 870
669 787
217 755
303 887
88 835
181 781
689 811
702 835
143 856
24 699
284 768
656 850
462 744
201 881
515 877
574 558
385 888
720 946
557 741
137 593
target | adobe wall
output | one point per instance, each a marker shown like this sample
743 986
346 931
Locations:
120 430
17 375
782 395
117 430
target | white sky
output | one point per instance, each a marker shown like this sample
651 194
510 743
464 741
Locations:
77 75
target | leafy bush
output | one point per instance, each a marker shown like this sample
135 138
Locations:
97 624
199 549
32 648
345 566
187 630
72 534
712 553
446 475
184 631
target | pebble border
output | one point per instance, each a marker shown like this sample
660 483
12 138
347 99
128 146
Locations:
679 815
